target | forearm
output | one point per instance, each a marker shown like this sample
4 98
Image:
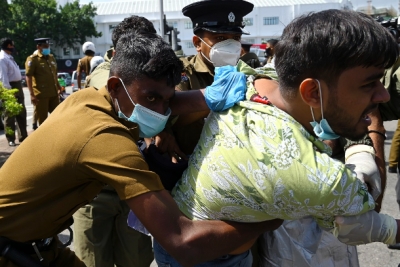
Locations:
78 80
29 84
188 102
189 241
376 133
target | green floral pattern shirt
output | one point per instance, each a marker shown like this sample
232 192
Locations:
254 163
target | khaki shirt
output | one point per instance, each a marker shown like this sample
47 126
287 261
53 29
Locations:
196 75
65 163
391 80
84 65
43 70
99 76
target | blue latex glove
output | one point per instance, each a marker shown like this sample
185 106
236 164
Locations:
228 88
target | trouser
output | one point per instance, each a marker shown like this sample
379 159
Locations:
395 147
398 187
45 106
20 118
103 238
53 257
163 259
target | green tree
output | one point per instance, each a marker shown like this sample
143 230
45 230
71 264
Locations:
9 104
30 19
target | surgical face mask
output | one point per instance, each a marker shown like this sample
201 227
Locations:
150 122
224 53
322 129
11 49
267 52
46 51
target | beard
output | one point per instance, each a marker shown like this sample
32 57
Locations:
346 125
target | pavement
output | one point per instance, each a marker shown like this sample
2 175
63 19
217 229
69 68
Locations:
371 255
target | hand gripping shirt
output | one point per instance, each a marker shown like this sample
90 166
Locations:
254 163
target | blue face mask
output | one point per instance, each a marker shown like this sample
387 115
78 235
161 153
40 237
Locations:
46 51
322 129
150 122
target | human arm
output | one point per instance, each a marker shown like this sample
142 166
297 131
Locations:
377 133
366 228
189 241
34 99
79 75
4 74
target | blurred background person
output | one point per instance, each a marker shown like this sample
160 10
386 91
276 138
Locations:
10 76
269 52
42 81
89 50
250 58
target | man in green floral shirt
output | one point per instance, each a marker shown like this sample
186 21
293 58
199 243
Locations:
259 160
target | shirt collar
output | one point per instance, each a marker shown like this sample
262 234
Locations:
199 65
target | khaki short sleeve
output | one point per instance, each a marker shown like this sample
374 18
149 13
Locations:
113 158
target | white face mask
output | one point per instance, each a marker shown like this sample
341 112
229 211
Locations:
224 53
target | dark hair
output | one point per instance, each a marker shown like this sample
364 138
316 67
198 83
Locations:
324 44
5 42
89 53
272 42
132 23
145 54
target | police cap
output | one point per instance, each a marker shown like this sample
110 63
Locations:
245 44
219 16
40 41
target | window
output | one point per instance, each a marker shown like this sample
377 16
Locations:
189 45
76 51
173 24
271 20
249 41
66 51
248 21
111 27
188 25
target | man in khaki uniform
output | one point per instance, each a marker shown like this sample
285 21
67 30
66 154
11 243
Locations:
199 69
250 58
42 81
84 63
38 200
103 221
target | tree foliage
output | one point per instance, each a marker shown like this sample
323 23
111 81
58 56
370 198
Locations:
9 104
30 19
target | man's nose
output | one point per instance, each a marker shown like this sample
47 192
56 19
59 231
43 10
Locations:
381 95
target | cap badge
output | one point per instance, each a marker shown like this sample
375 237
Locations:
231 17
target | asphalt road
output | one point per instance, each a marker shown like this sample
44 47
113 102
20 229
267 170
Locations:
371 255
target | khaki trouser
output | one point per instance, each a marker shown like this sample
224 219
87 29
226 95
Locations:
395 147
102 237
45 106
54 257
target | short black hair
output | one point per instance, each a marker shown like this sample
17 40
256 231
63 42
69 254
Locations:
141 55
132 23
324 44
4 42
272 42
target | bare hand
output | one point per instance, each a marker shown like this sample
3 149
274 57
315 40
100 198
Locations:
34 100
165 142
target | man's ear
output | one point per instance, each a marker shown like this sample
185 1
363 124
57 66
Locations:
113 84
197 43
309 91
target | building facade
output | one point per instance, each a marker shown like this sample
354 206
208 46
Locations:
266 21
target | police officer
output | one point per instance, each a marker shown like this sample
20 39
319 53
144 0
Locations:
84 63
217 27
42 81
250 58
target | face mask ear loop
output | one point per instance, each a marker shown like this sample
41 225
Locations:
312 114
126 91
320 98
202 52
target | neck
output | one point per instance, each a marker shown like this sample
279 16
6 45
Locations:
294 107
7 52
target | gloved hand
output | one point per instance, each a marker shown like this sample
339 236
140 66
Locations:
366 228
361 159
228 88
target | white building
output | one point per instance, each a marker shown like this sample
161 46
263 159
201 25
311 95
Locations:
266 21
